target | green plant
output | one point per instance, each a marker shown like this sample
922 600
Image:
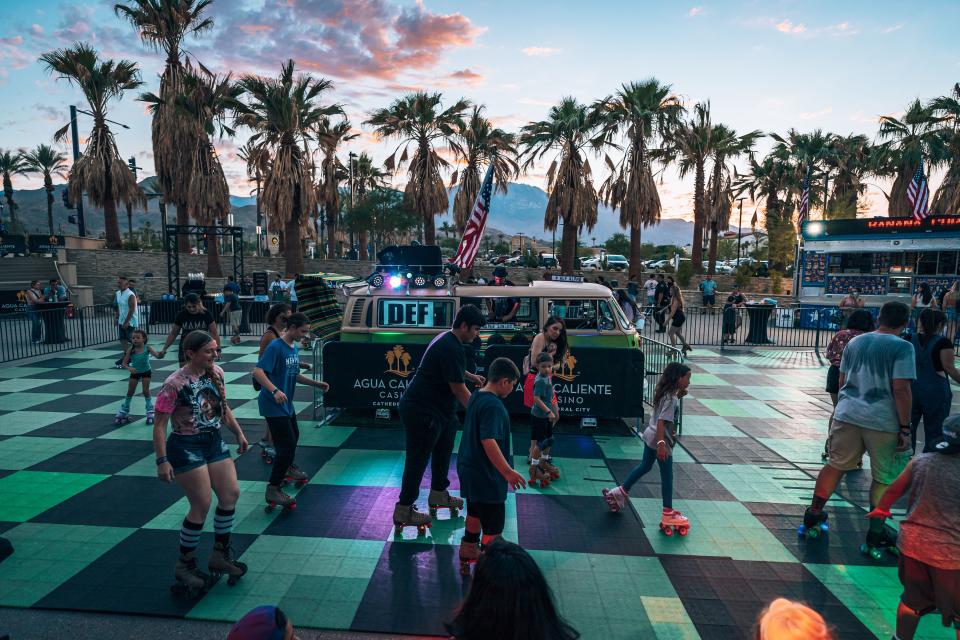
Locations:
684 273
743 275
776 282
531 262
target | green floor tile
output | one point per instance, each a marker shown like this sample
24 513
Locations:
699 379
741 408
26 494
362 468
767 484
318 582
631 448
724 529
115 389
21 384
47 555
694 425
25 400
578 476
17 423
250 409
21 452
727 369
250 514
312 435
784 394
14 373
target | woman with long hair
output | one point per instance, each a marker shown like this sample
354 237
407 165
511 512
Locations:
659 438
950 305
931 388
193 400
676 317
509 599
276 320
627 305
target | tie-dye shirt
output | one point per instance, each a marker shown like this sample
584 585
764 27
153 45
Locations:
194 402
870 364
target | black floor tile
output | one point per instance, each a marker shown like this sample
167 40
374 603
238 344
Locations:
135 576
565 445
422 580
97 456
69 386
252 466
725 450
76 403
60 373
384 439
83 425
116 502
330 511
580 524
690 481
6 526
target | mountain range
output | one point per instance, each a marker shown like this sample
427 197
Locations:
520 210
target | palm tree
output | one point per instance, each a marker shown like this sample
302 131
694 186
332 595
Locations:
642 112
727 145
367 178
283 113
329 137
570 127
770 181
47 161
910 140
163 25
848 160
257 160
100 172
947 198
479 142
692 145
11 164
418 119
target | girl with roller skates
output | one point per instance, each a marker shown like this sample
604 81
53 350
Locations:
276 322
278 372
659 438
193 401
136 360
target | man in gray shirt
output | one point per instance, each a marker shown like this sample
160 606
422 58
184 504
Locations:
872 416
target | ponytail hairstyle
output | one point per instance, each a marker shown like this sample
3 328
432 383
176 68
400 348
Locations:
669 381
195 341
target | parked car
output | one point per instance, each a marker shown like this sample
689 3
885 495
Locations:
590 263
617 262
549 261
658 264
514 261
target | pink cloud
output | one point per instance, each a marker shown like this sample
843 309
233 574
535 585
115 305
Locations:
254 28
787 26
539 51
467 76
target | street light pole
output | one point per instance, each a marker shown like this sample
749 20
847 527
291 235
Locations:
350 157
739 230
81 224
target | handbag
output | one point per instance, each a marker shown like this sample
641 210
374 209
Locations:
528 390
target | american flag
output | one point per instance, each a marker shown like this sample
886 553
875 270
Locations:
473 233
918 194
805 195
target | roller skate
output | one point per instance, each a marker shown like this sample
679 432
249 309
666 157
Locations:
267 452
408 516
296 476
547 466
673 520
538 475
235 340
616 498
879 543
190 581
150 412
122 417
443 500
469 554
221 563
813 524
277 498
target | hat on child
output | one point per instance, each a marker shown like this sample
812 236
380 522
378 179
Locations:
949 442
262 623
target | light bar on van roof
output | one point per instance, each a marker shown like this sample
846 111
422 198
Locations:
399 280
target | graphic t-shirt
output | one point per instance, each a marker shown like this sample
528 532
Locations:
708 287
193 322
443 363
122 300
651 287
543 389
870 363
665 410
276 291
194 402
487 419
281 363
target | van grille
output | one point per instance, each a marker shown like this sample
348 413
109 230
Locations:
356 314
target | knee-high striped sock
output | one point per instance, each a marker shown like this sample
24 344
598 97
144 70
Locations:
223 524
189 536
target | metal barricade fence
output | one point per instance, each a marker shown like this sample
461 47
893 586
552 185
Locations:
656 356
47 331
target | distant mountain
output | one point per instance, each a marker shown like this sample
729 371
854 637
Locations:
520 210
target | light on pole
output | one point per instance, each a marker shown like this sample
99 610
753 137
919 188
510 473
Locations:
739 229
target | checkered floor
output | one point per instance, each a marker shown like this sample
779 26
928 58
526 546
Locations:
95 531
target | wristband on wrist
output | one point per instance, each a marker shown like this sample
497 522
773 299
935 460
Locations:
659 442
161 460
904 428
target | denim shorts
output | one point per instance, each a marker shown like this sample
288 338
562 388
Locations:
124 334
189 452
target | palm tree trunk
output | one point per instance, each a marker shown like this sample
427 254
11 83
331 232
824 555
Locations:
947 199
214 270
292 251
363 245
635 260
429 229
49 204
331 233
129 223
183 241
696 254
712 257
899 206
112 224
568 248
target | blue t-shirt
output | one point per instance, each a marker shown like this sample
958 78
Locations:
281 363
486 419
708 287
543 389
232 286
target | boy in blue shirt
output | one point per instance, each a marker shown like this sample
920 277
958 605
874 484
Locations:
482 462
278 372
543 415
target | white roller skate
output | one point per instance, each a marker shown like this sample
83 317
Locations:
122 417
672 521
616 498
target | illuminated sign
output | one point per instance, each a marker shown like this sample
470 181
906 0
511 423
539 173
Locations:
821 230
404 313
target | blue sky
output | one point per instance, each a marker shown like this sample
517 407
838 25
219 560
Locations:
763 65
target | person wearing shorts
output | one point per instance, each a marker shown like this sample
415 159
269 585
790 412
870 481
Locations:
872 415
193 401
709 289
125 312
929 541
232 309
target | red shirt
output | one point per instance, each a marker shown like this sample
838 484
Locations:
839 343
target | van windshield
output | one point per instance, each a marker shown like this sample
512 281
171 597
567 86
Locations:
418 313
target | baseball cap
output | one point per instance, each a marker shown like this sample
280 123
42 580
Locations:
263 623
500 272
949 442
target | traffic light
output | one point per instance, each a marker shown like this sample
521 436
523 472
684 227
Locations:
65 195
132 163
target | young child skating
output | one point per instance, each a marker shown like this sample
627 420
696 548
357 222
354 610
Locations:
929 540
482 461
658 439
543 415
136 360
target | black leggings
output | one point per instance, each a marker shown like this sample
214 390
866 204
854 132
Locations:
429 439
286 434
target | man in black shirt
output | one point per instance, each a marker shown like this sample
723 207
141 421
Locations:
428 413
503 309
661 301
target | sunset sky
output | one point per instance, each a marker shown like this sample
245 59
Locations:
835 66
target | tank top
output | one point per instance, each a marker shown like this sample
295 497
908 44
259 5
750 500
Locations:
140 361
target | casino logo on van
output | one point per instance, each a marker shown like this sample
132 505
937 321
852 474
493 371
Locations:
398 362
567 371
